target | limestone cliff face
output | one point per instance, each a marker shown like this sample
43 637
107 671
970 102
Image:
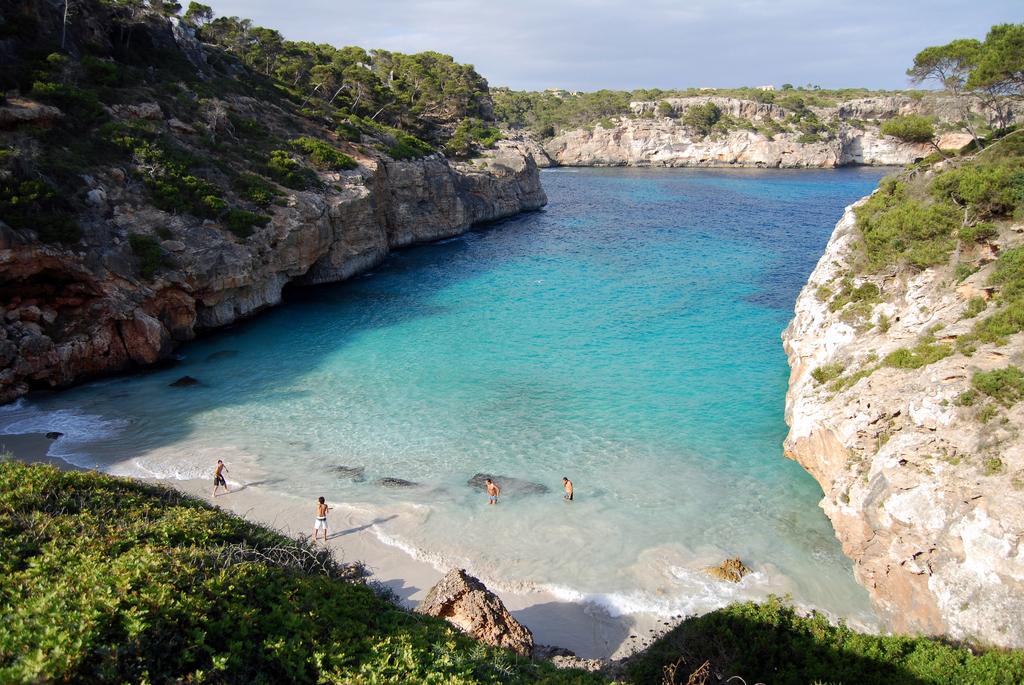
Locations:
853 134
933 527
666 143
74 313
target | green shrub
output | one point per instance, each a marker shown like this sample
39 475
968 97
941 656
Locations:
664 109
963 270
148 250
975 306
987 190
912 128
807 138
966 399
987 413
1009 273
242 222
922 354
33 205
323 155
895 228
102 71
843 382
993 466
105 580
978 233
866 293
470 135
1005 386
772 643
82 106
824 374
701 118
288 172
256 189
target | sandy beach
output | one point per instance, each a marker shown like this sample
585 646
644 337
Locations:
586 629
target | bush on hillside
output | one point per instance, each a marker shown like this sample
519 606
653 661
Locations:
987 190
471 134
772 643
701 118
105 580
1005 386
912 128
323 155
288 172
896 228
148 250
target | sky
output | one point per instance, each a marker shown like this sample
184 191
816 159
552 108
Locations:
626 44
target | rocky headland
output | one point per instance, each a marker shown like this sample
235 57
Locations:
135 220
904 405
763 135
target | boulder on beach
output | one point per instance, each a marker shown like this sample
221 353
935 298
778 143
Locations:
184 382
731 570
509 485
467 604
396 483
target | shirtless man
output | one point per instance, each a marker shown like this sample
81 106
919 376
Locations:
320 523
218 477
567 485
492 491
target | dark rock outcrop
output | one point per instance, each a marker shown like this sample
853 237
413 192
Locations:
185 382
731 570
467 604
396 483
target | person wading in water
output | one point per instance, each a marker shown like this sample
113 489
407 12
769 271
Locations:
218 477
492 491
567 484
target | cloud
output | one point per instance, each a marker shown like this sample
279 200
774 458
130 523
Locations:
592 44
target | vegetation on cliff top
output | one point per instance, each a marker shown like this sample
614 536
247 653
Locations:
134 95
106 580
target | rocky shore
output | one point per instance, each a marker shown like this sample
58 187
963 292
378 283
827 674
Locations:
923 493
759 135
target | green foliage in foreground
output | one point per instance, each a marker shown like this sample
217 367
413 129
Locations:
105 580
771 643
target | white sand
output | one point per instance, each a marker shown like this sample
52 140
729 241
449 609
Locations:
585 629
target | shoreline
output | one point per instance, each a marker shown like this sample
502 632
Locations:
586 629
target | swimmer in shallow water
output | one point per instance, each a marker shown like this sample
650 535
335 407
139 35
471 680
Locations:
567 486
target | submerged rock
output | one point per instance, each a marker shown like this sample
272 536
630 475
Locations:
53 435
184 382
731 570
353 473
396 483
467 604
509 485
223 354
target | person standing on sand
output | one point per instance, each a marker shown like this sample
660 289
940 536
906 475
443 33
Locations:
492 491
321 518
567 485
218 477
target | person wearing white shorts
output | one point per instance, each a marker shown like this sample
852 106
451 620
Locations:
320 522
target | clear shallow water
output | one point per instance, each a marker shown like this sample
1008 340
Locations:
627 337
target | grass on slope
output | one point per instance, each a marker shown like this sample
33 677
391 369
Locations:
770 643
105 580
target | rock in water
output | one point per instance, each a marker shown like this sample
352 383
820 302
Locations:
396 483
509 485
223 354
732 570
53 435
184 382
467 604
353 473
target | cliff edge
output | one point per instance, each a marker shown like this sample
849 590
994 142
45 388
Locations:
904 398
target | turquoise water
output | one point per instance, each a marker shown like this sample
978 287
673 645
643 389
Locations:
626 337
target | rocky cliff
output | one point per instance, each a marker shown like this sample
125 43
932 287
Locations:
922 473
153 187
666 143
756 134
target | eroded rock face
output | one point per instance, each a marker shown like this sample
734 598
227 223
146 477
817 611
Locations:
932 524
467 604
71 313
667 143
731 570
